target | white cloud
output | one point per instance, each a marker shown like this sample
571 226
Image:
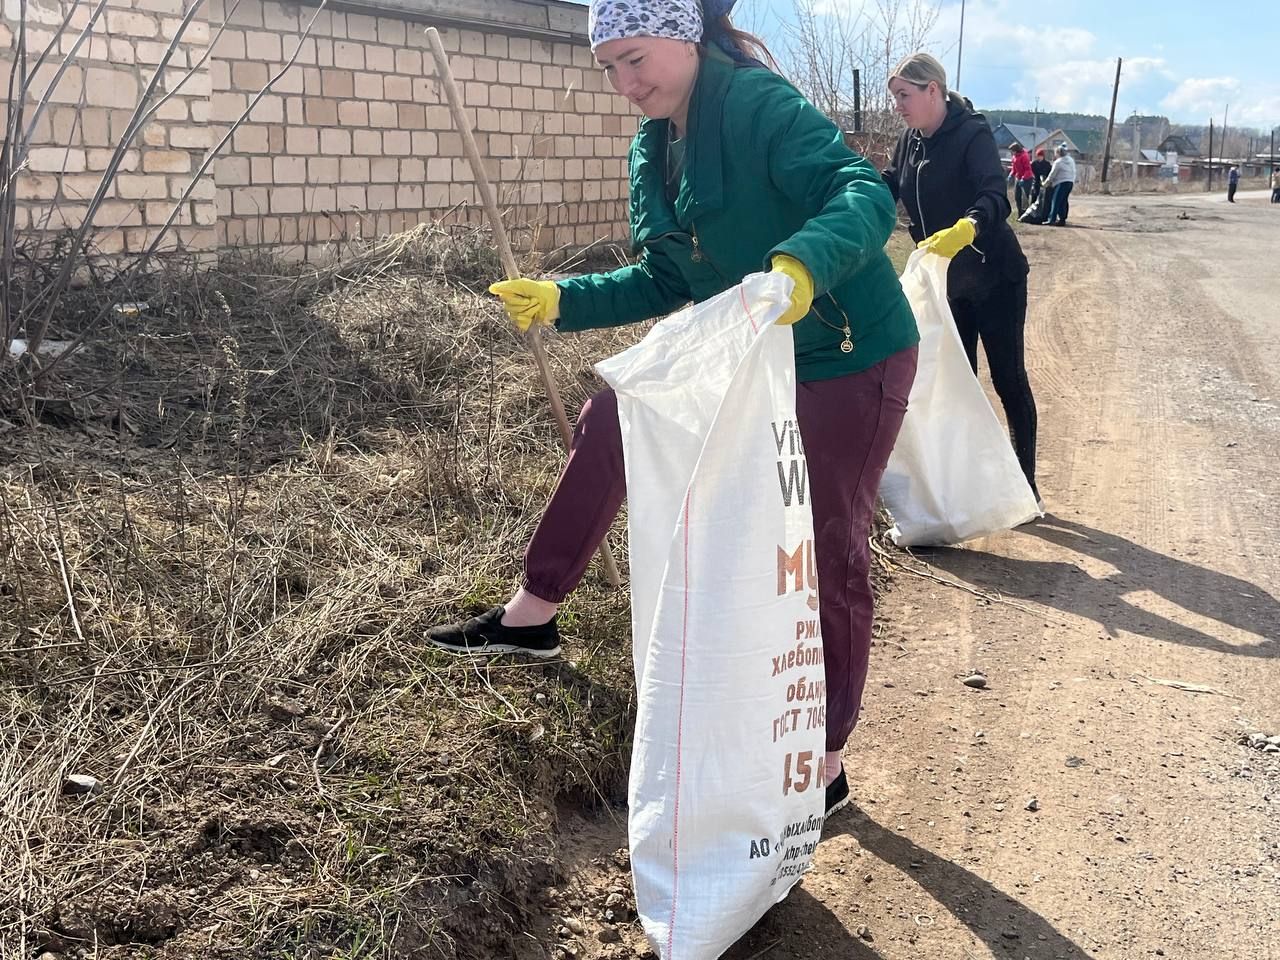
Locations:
1084 86
1201 95
1197 97
1069 70
1009 61
1064 66
995 31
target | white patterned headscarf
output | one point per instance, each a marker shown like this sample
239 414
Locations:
619 19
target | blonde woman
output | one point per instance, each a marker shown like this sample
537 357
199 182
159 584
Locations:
946 171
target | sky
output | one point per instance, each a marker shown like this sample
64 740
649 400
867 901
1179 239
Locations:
1182 59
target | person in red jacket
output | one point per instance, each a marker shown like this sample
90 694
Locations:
1022 177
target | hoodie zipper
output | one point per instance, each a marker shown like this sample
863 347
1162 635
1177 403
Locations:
699 255
924 162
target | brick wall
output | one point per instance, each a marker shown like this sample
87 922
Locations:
89 112
354 139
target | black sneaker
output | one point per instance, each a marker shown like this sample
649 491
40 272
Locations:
837 793
486 635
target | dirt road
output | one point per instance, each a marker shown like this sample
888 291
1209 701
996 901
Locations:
1096 800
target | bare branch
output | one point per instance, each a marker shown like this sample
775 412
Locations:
139 265
108 176
217 148
62 68
827 42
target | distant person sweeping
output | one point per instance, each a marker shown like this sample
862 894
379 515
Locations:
732 172
947 173
1061 179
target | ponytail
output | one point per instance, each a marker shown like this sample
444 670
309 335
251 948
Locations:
743 47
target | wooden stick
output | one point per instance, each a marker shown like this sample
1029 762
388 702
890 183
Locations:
508 258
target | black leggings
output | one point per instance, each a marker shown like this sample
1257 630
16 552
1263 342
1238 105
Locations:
997 319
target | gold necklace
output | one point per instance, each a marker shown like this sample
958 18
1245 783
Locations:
846 345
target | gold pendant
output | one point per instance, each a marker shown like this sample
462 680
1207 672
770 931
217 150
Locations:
847 345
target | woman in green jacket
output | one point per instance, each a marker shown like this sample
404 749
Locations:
732 172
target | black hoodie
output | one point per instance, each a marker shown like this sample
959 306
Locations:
953 174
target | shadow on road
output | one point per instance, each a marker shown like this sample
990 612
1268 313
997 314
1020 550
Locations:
1228 600
1006 926
801 927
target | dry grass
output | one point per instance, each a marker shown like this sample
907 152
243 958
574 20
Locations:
222 533
222 530
899 248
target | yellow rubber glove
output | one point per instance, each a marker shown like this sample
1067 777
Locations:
947 243
801 293
529 301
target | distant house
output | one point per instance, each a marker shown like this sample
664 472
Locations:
1150 164
1007 134
1032 138
1180 145
1057 137
1090 144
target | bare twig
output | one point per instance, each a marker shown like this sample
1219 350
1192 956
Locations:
329 736
1189 687
917 568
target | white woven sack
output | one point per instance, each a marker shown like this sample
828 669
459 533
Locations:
726 793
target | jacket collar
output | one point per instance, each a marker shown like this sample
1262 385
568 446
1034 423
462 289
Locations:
957 117
702 186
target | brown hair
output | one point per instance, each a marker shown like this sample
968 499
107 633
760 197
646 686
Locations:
747 43
922 69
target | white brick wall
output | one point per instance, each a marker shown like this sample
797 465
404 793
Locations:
354 139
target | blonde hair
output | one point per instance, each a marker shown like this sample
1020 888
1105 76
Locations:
922 69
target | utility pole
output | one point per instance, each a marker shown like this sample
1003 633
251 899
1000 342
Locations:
960 52
1137 145
1209 187
857 100
1111 124
1271 157
1223 149
1035 117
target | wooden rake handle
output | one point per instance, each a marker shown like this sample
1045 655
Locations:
534 336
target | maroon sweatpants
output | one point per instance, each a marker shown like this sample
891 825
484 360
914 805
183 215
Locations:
848 425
